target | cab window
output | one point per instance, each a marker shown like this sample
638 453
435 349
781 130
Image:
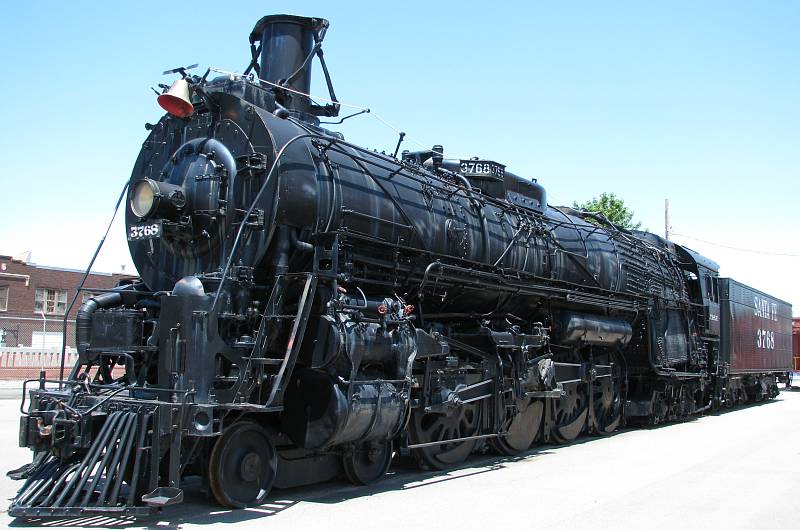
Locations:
711 289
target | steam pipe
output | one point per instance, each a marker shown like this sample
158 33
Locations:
282 246
302 246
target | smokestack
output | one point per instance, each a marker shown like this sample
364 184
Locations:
287 42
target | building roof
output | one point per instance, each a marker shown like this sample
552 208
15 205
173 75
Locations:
26 263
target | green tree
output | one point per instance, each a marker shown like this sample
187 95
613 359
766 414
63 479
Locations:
613 208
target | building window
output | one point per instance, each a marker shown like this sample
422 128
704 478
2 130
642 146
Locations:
3 298
87 296
51 301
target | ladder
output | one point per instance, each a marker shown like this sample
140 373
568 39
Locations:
279 359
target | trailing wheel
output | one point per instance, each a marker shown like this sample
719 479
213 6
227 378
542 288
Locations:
607 399
571 411
367 463
522 424
460 421
242 466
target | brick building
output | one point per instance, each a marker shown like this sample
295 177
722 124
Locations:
34 298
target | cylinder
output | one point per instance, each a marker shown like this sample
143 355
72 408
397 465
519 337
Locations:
321 412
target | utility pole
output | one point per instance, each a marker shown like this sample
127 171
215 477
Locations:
666 219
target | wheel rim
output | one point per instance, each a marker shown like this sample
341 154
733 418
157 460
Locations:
571 411
460 422
522 427
607 401
367 463
242 467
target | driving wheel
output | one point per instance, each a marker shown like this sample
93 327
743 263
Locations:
570 413
458 422
607 399
521 425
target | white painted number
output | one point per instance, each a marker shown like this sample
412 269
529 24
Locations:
765 339
481 168
143 231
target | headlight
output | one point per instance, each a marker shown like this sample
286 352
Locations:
143 198
149 197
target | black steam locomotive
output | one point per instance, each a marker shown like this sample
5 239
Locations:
309 308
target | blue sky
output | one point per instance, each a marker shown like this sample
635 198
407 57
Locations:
697 102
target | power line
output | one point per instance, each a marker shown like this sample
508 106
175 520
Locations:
785 254
363 109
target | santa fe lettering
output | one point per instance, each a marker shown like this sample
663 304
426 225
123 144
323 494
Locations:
765 309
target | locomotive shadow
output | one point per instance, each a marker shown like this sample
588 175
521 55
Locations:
405 477
199 509
746 406
698 417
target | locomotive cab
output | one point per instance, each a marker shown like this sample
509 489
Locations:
702 281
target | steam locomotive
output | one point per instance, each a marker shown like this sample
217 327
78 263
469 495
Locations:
310 308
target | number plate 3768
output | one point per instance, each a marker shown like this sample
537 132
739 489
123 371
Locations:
144 231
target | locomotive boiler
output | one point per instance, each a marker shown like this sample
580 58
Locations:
309 308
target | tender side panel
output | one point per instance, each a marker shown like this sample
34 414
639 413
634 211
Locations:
756 329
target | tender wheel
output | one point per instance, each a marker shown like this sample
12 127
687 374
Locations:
741 396
521 426
570 413
242 467
459 422
367 463
607 400
660 409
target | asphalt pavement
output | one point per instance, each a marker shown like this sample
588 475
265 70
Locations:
738 469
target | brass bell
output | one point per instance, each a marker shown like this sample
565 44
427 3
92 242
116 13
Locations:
177 100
